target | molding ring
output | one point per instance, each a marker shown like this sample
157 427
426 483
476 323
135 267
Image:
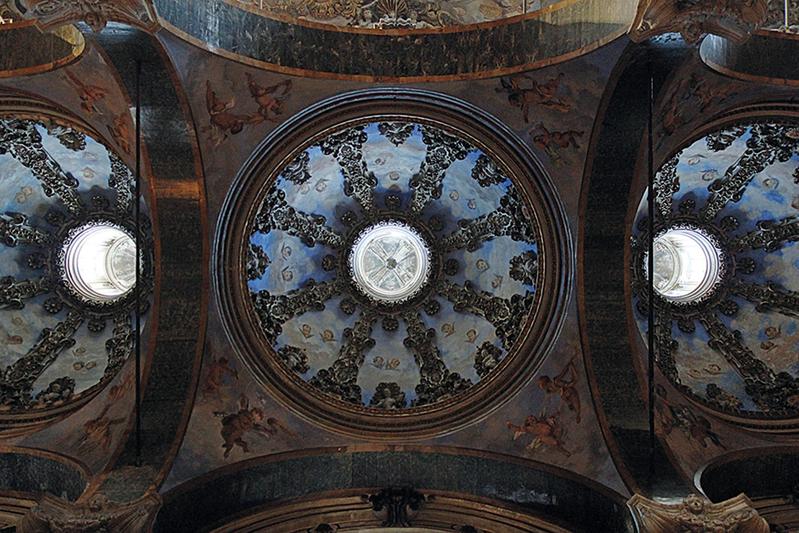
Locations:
778 112
490 135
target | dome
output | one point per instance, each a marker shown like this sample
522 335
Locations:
726 268
394 267
68 267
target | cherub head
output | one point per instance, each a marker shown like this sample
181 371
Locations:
694 504
98 502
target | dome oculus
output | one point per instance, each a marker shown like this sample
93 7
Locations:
688 264
99 262
390 262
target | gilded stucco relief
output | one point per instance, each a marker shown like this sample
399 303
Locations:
406 14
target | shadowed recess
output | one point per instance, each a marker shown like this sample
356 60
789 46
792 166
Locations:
223 494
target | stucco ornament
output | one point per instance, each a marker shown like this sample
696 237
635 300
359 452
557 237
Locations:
96 13
99 513
697 514
693 19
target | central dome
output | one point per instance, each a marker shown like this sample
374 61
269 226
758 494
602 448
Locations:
390 262
397 271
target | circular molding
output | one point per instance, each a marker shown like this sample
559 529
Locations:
720 231
60 224
386 104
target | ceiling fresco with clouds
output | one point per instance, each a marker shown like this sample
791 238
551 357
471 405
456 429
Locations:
438 343
736 352
55 347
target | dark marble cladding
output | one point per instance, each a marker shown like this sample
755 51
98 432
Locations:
764 475
218 499
616 149
33 474
168 142
768 57
221 25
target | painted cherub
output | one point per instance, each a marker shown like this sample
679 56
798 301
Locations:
552 140
236 425
564 384
269 99
546 431
701 431
543 94
223 121
117 392
121 132
696 428
97 431
89 94
215 378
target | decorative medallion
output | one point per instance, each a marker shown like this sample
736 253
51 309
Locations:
695 513
68 243
727 272
392 268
